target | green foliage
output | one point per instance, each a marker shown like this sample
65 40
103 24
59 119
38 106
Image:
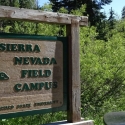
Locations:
35 120
19 3
80 11
102 71
102 65
12 26
27 4
10 3
105 26
63 10
46 7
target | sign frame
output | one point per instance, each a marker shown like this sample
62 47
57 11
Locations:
72 23
64 41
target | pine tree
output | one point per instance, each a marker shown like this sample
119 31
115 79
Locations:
111 19
92 7
123 12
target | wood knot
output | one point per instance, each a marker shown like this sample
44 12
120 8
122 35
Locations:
46 16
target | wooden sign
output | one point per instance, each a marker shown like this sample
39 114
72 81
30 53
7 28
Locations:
71 66
31 74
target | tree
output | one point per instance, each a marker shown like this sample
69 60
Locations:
92 7
9 3
111 19
102 69
105 25
123 12
29 4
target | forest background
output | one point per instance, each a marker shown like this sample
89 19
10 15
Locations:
102 56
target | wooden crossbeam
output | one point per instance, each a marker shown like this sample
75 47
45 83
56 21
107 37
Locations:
15 13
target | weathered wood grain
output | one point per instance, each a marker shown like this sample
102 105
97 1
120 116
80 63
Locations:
7 12
74 113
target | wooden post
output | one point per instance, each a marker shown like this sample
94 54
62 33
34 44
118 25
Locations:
74 113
